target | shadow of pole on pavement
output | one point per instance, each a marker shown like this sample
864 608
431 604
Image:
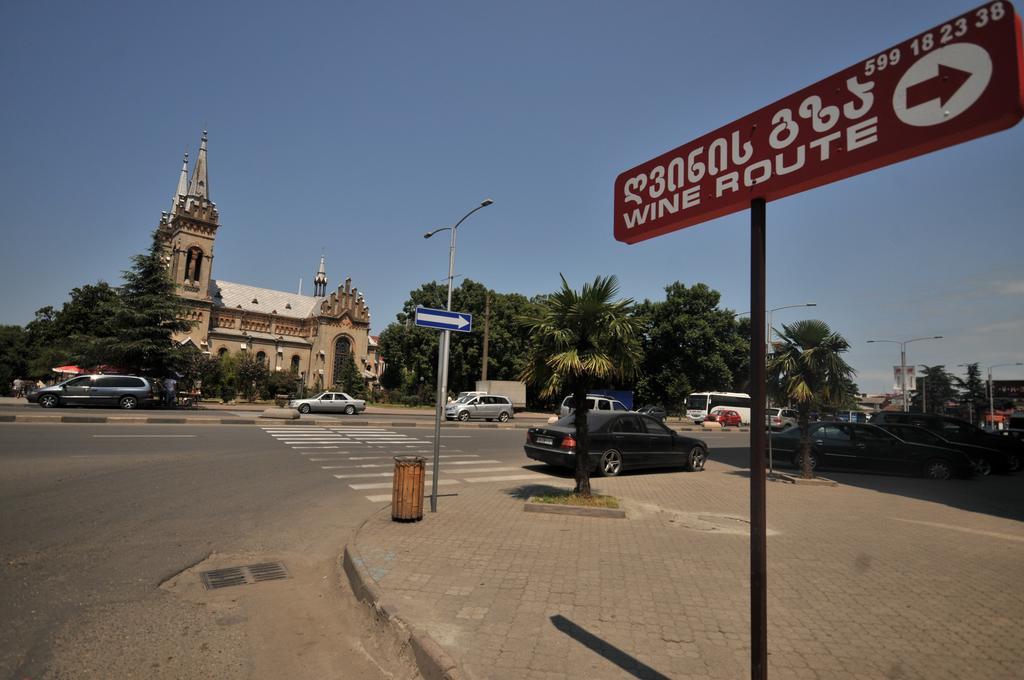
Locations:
630 664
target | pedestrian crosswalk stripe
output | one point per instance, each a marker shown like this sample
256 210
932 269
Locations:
385 498
314 447
388 485
505 478
428 472
445 463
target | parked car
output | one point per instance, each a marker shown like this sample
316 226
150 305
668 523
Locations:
654 411
780 418
725 417
595 402
122 391
618 441
961 432
982 457
487 406
850 447
329 402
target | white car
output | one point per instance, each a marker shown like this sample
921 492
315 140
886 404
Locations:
329 402
486 406
595 402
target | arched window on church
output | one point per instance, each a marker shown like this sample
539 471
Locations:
295 364
342 354
261 358
194 263
221 352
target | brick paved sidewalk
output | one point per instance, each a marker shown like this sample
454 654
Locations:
866 580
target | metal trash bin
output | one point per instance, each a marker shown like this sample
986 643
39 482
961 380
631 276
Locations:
407 491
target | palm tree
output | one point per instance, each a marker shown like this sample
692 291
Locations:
578 340
807 369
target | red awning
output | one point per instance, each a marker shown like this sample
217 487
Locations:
74 370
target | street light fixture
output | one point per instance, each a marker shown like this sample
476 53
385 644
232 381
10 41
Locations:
903 362
991 396
442 351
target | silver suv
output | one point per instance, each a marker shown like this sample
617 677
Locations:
781 418
595 402
123 391
486 406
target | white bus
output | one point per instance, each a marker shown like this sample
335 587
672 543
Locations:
699 404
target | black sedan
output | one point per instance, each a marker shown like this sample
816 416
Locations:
985 459
618 441
861 447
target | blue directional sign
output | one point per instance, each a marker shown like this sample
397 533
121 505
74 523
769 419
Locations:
444 320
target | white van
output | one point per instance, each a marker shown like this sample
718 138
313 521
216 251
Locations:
595 402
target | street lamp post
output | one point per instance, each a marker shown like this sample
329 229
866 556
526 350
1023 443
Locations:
768 350
991 395
442 352
903 362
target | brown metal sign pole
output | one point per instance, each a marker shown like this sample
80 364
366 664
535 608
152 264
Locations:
758 386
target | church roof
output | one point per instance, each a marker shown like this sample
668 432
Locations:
252 299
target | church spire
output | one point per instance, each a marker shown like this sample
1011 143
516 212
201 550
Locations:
182 189
199 187
320 281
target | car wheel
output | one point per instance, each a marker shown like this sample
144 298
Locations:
463 416
128 403
350 409
936 468
611 463
983 466
503 417
798 463
49 401
695 461
304 408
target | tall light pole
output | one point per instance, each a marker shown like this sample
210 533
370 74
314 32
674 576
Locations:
903 362
991 395
442 352
768 350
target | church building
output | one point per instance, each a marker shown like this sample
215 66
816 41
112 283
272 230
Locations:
310 336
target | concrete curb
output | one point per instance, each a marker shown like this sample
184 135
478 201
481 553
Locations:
433 662
795 479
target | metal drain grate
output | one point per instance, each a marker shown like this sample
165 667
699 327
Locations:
237 576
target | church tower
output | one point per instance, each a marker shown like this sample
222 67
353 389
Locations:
188 232
320 281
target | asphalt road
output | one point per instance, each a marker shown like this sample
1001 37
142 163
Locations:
106 528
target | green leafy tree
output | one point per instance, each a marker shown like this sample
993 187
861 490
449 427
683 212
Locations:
411 351
933 389
690 345
13 362
148 315
973 392
250 376
577 341
350 381
808 370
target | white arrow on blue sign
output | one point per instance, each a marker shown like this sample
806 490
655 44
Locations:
444 320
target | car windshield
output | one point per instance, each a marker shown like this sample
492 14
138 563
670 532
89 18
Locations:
773 411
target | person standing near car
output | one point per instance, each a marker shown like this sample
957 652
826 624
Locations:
170 392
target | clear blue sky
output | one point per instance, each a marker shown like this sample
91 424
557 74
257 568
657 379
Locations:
355 127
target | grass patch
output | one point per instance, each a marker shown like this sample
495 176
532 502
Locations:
569 498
